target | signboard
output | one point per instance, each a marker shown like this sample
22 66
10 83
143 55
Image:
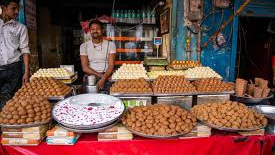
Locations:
157 40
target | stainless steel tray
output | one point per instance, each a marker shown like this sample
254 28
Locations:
267 110
115 80
154 136
194 93
89 130
216 93
181 68
250 99
83 98
227 129
131 94
176 94
24 125
65 77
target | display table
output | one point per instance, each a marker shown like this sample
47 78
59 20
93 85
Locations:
214 145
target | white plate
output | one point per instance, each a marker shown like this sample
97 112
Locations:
79 111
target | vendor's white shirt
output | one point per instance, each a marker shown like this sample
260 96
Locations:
98 54
14 41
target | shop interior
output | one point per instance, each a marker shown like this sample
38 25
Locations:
60 33
256 47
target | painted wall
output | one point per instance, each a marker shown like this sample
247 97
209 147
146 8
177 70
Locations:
215 57
222 60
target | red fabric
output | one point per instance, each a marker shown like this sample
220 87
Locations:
215 145
273 60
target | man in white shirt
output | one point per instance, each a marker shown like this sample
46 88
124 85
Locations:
97 55
14 42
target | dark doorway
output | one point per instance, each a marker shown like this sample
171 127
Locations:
256 45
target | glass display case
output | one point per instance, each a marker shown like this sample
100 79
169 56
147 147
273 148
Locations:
133 42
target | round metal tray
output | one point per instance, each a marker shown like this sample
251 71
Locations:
227 129
87 127
89 130
267 110
24 125
154 136
250 100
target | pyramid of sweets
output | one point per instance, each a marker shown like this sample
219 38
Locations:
230 115
172 84
159 120
53 72
44 86
131 86
155 74
22 110
213 85
185 64
201 72
130 71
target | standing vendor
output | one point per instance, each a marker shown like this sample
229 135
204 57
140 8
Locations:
98 55
14 42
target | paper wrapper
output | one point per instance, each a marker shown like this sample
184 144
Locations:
240 87
258 92
263 84
265 92
258 80
250 89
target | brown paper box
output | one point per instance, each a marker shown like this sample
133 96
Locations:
240 86
263 84
265 92
250 89
258 80
258 92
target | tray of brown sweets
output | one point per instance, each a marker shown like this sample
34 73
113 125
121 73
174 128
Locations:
173 85
131 87
229 116
43 86
209 86
159 121
25 111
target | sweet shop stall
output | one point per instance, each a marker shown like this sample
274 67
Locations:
157 105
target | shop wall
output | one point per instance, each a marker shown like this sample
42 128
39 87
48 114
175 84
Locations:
49 40
222 60
217 58
31 23
166 52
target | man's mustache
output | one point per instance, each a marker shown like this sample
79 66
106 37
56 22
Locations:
95 33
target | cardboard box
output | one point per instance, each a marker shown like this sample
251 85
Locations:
58 131
27 130
198 132
52 140
34 135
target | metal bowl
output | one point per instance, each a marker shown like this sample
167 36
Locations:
84 100
250 100
24 125
228 129
155 136
89 130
